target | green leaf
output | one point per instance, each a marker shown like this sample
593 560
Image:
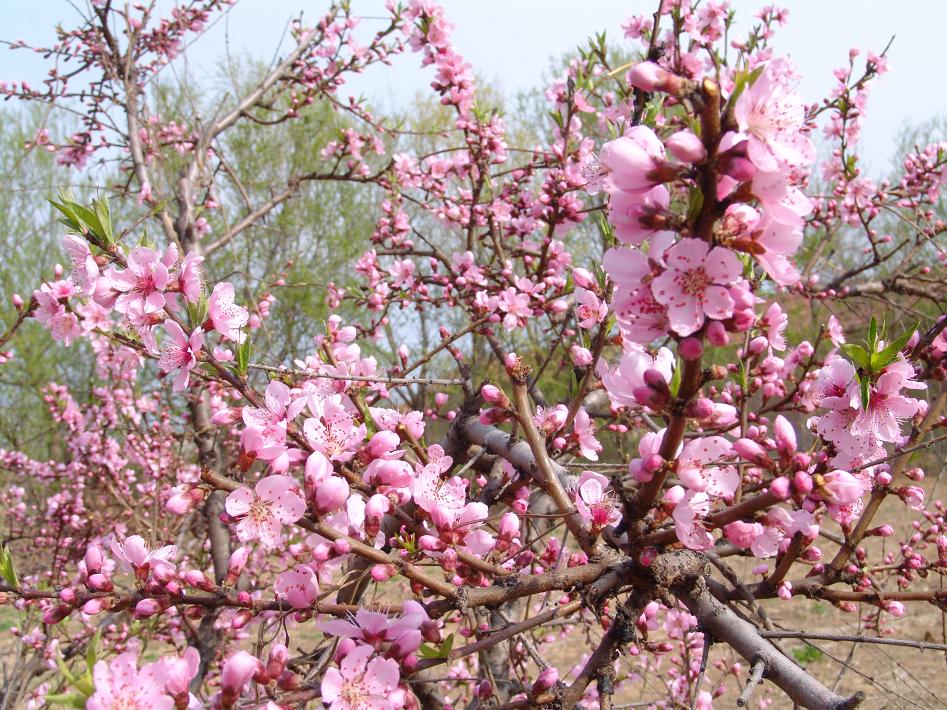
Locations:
102 211
447 645
695 205
6 567
69 700
428 651
443 651
675 383
858 355
884 358
865 392
92 651
65 670
872 335
243 357
807 654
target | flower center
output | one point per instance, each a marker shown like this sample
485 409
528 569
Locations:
694 282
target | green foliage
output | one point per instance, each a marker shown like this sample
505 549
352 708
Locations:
807 654
95 223
79 686
6 567
443 651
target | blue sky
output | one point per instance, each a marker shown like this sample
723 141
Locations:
511 41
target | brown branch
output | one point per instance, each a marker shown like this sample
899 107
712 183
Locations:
542 464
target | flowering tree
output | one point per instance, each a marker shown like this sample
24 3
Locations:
576 384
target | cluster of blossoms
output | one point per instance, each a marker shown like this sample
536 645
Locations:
614 427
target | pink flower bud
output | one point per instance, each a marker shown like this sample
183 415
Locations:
331 495
228 415
686 147
742 320
546 679
241 619
584 278
785 436
383 443
581 357
440 399
702 408
68 595
717 334
276 661
94 606
238 560
94 559
742 534
784 591
237 671
780 488
17 300
802 482
691 348
757 345
55 614
649 77
509 526
894 608
494 395
341 547
146 608
185 500
198 579
375 509
100 583
381 572
751 451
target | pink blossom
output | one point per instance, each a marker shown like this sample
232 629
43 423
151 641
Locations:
298 586
273 416
359 684
640 317
375 628
881 416
697 475
263 513
687 525
596 507
638 217
178 672
137 556
694 284
143 282
190 281
121 685
85 270
432 493
634 162
237 672
589 308
627 376
180 352
226 316
770 115
334 433
584 430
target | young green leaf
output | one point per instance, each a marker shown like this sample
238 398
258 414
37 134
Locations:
884 358
858 355
6 567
